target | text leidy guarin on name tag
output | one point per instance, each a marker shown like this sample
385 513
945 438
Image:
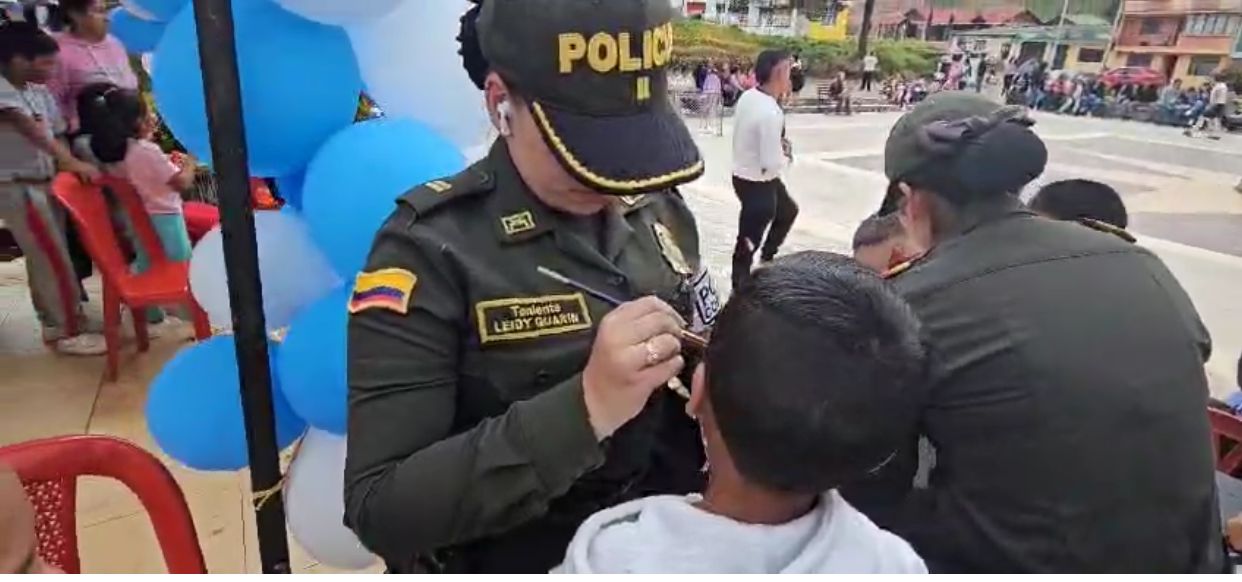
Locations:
524 318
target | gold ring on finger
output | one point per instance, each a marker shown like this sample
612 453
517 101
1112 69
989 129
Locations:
653 354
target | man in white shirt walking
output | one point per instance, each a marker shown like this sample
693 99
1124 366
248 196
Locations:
759 155
870 63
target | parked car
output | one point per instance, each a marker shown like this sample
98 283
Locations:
1140 76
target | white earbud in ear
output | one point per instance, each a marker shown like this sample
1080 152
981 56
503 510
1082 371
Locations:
503 111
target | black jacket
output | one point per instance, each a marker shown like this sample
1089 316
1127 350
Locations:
1066 406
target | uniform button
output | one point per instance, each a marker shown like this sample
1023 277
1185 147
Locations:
541 377
617 280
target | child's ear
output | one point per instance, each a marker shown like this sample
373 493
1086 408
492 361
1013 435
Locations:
698 391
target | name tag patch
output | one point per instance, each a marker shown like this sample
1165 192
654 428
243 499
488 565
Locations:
522 318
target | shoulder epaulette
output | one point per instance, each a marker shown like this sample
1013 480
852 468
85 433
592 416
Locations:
899 268
1105 227
429 196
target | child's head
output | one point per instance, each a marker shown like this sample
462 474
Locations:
808 380
1077 199
27 54
112 116
880 243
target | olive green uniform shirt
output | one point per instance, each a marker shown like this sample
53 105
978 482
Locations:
468 433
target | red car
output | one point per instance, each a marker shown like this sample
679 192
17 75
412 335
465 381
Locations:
1140 76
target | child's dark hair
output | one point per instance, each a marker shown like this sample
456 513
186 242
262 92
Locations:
1075 199
26 40
812 373
111 116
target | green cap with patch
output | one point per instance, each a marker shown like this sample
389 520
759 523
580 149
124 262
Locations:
905 151
594 72
984 148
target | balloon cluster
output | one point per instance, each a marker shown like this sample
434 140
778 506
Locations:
303 66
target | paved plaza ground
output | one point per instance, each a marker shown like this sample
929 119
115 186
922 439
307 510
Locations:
1179 191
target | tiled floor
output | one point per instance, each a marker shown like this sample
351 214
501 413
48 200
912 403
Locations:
43 394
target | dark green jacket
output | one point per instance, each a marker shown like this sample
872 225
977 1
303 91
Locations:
1066 405
469 445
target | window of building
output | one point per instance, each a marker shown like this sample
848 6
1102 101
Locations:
1149 26
1138 60
1213 24
1090 55
1203 66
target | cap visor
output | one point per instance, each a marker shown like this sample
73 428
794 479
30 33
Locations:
627 154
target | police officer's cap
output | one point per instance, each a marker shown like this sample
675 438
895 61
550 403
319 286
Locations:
594 74
986 148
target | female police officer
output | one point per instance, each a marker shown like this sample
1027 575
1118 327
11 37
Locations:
492 409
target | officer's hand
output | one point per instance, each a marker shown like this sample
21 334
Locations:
636 351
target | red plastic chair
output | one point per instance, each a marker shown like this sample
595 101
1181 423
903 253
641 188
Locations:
49 470
165 283
1226 430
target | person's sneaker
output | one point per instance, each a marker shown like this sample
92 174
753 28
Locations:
86 344
1238 188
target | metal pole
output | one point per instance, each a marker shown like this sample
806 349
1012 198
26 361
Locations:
222 88
1060 35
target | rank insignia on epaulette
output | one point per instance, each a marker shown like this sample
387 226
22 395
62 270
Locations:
898 269
518 223
1109 228
389 289
671 251
438 186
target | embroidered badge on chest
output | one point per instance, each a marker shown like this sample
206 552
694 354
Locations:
518 223
672 253
524 318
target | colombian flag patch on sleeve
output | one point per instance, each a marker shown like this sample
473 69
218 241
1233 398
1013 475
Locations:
389 289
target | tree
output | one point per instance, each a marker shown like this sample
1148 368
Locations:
864 30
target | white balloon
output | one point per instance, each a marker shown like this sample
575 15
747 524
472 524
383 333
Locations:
292 270
315 503
411 68
137 10
341 12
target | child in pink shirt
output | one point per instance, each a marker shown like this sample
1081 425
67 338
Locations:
122 127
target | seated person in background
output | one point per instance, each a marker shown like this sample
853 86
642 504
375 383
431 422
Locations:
1081 200
804 387
121 140
880 244
18 543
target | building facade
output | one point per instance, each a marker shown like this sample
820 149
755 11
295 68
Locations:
1078 48
1185 39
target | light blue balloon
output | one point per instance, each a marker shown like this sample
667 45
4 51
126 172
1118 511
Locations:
194 409
138 35
163 10
300 85
354 179
311 363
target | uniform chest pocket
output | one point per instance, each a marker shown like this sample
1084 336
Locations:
517 372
